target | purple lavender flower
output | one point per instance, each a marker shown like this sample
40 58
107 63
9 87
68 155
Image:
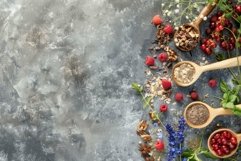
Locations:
175 139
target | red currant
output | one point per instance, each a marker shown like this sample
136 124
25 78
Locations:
233 140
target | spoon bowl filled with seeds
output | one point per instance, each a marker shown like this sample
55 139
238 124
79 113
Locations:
185 73
187 36
199 114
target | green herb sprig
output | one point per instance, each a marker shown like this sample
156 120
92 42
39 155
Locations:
230 97
194 154
146 101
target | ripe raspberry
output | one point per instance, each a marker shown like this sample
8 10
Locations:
179 97
168 29
194 95
166 84
163 108
159 145
163 57
150 61
156 20
212 83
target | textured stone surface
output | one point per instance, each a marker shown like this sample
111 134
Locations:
66 70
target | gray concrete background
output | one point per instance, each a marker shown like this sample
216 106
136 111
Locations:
66 70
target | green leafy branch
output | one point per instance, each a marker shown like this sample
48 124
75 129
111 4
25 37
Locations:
230 97
194 153
139 89
146 101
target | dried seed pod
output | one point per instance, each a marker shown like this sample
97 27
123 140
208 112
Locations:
145 149
142 127
150 158
146 138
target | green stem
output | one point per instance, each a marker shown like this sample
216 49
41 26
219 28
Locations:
152 110
217 97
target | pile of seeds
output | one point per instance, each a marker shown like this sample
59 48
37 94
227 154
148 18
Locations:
162 38
172 55
197 114
184 73
186 37
153 88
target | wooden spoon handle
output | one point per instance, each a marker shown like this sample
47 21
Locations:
221 111
205 12
239 137
229 63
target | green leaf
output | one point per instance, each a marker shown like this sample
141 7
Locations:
220 56
210 1
239 19
196 158
147 101
229 105
237 44
236 89
137 87
228 15
237 111
223 6
207 154
225 96
188 153
232 98
224 87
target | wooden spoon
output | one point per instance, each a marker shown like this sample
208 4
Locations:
238 136
192 39
213 112
198 70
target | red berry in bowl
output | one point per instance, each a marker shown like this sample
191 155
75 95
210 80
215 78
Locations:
159 145
238 8
168 29
213 141
163 108
219 152
220 13
156 20
150 61
179 97
212 83
203 47
234 140
194 95
163 57
223 145
215 146
231 146
208 51
166 84
224 44
217 136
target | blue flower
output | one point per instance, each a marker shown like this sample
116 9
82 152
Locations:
175 139
184 159
159 135
155 124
